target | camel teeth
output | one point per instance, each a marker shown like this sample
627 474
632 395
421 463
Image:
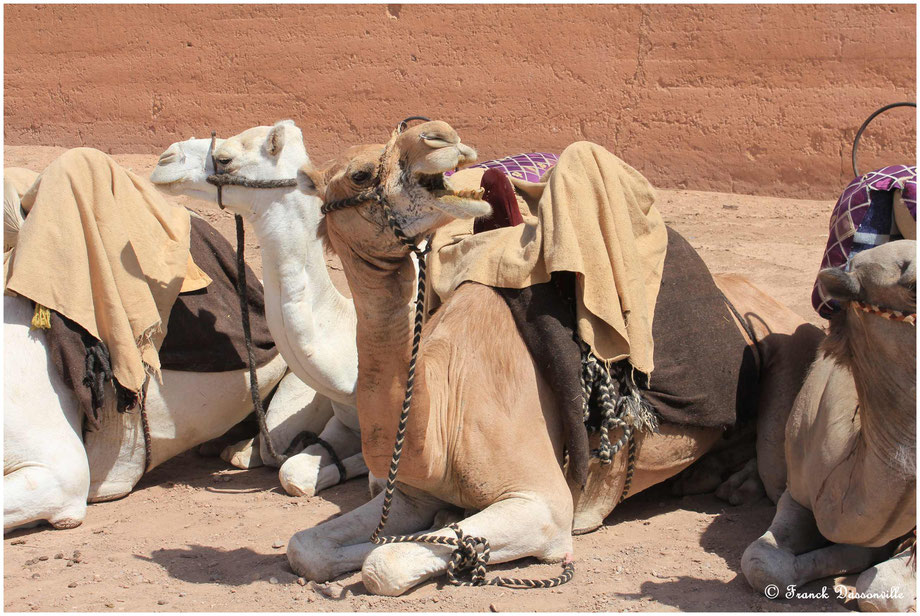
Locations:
472 194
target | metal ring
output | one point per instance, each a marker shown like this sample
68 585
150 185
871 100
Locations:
405 123
866 123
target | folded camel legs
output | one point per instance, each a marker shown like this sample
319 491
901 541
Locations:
524 525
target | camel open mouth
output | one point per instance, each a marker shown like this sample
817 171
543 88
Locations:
457 203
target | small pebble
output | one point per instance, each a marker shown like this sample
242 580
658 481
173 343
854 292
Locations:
72 585
70 563
17 541
36 576
59 555
278 544
97 578
492 607
302 581
272 580
42 558
110 605
181 594
161 601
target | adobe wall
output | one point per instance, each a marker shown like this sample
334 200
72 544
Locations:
752 99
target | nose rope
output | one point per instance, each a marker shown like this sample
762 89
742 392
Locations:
471 554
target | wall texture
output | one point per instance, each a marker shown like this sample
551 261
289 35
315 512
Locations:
752 99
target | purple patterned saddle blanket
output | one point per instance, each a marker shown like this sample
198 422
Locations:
862 218
529 167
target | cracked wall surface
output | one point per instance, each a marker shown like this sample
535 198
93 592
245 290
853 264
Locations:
752 99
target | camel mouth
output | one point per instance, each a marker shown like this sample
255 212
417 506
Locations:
457 203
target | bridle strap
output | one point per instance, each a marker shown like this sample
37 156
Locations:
891 315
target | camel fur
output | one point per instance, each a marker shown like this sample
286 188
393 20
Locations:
850 444
312 324
483 433
51 469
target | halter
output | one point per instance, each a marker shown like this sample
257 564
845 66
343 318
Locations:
885 313
470 553
221 179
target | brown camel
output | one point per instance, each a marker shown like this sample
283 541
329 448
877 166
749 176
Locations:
851 443
484 433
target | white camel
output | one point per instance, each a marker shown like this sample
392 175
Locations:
312 324
51 470
851 444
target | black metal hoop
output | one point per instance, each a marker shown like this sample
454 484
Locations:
405 123
866 123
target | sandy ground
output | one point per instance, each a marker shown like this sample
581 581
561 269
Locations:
196 535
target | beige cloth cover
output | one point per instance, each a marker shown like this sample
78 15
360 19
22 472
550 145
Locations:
102 247
592 214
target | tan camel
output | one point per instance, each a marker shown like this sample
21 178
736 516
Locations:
850 444
483 433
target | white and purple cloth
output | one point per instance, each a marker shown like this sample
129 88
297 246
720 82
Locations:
529 167
862 218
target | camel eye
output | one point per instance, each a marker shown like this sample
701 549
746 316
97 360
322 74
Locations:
360 177
224 161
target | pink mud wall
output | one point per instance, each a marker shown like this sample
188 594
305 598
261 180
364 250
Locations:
751 99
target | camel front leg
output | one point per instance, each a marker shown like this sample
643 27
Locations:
792 552
340 545
312 470
516 527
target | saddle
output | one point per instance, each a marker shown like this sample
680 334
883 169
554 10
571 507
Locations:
705 373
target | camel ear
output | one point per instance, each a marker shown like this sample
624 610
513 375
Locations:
839 284
310 180
275 141
908 278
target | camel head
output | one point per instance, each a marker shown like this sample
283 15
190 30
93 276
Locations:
257 154
184 167
878 294
407 174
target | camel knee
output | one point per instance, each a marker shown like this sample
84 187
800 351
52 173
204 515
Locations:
764 563
39 493
312 556
391 570
298 475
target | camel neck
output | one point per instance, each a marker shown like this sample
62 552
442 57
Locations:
311 322
883 372
383 294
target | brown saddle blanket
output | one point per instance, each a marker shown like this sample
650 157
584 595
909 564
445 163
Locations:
204 334
705 373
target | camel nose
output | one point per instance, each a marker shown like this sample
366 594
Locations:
171 155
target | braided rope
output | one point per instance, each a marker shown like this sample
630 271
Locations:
229 179
891 315
602 392
471 554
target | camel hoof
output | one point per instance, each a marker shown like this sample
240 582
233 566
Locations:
743 487
299 474
243 455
